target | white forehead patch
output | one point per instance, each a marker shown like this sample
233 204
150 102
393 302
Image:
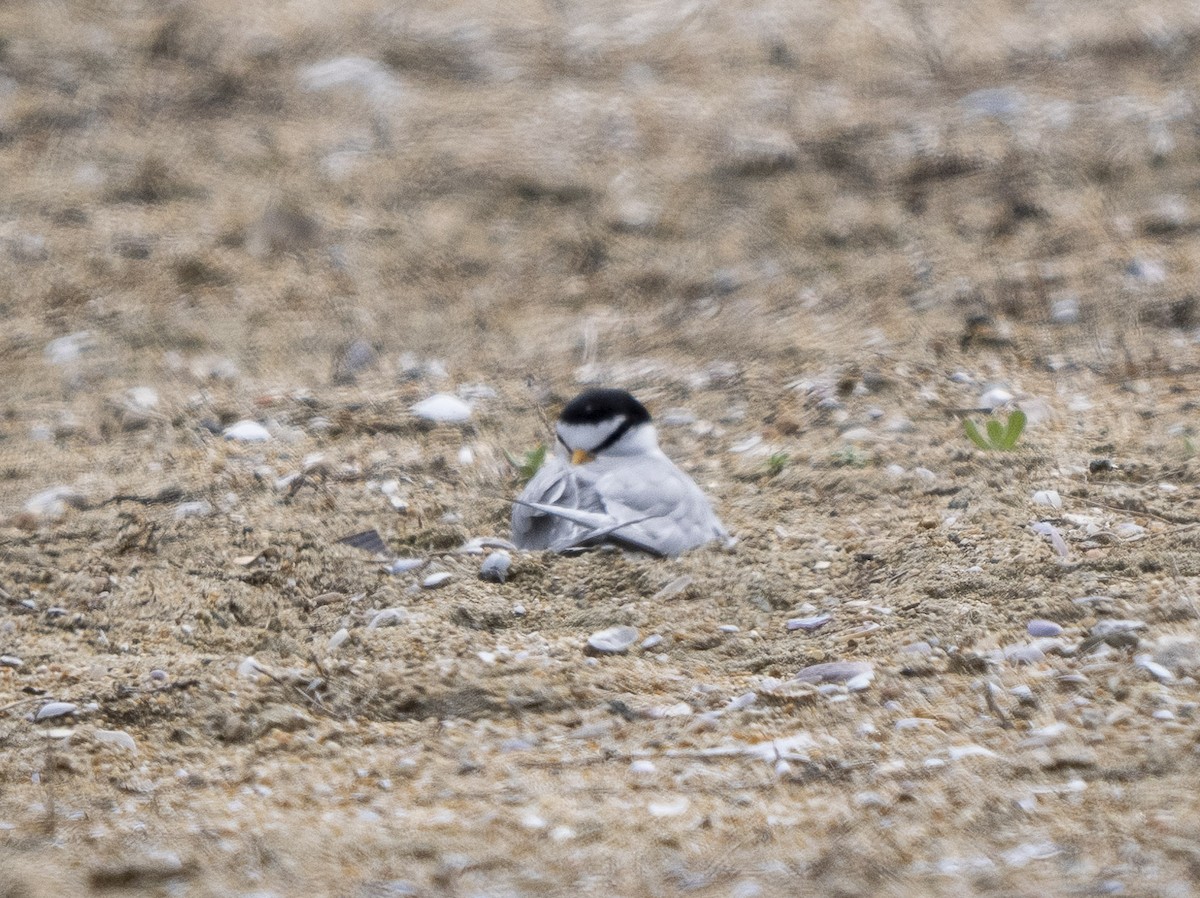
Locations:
588 436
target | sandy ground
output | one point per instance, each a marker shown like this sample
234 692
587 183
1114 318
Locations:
812 238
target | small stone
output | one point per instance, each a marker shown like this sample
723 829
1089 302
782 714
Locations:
197 509
495 567
388 617
1042 627
250 669
53 503
669 807
119 738
10 661
64 350
1156 670
834 672
443 408
613 641
652 641
809 624
336 640
1048 498
1114 625
53 710
1024 654
995 397
158 675
435 581
404 565
247 431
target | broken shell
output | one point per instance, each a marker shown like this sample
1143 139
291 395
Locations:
1041 627
835 672
388 617
442 408
404 565
809 624
433 581
612 641
55 709
495 567
247 432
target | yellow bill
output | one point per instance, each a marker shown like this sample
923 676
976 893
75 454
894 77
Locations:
581 456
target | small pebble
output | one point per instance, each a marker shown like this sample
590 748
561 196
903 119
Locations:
247 432
1024 654
443 408
433 581
651 641
388 617
995 397
119 738
495 567
1042 627
1156 670
612 641
10 661
1048 498
404 565
729 628
158 675
809 624
835 672
52 710
336 640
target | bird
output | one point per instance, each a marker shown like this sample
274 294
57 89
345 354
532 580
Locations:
608 482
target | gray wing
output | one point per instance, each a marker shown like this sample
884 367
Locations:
555 484
676 515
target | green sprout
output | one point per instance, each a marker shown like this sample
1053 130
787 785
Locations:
849 457
530 465
777 462
1000 437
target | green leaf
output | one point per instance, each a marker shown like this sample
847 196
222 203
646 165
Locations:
1016 426
974 435
995 432
531 464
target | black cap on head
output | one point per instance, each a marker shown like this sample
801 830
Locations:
594 406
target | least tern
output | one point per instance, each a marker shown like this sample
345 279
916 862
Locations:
608 482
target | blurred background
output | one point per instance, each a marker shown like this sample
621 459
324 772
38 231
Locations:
304 193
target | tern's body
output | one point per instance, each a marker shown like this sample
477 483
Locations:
622 489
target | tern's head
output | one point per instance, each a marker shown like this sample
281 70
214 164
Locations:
605 422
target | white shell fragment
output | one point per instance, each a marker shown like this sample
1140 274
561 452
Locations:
249 669
53 503
995 397
247 431
1152 667
443 408
836 672
1048 498
1042 627
433 581
495 567
404 565
612 641
809 624
336 640
55 709
118 738
388 617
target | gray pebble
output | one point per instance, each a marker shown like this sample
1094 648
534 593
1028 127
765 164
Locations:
1042 627
612 641
495 567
